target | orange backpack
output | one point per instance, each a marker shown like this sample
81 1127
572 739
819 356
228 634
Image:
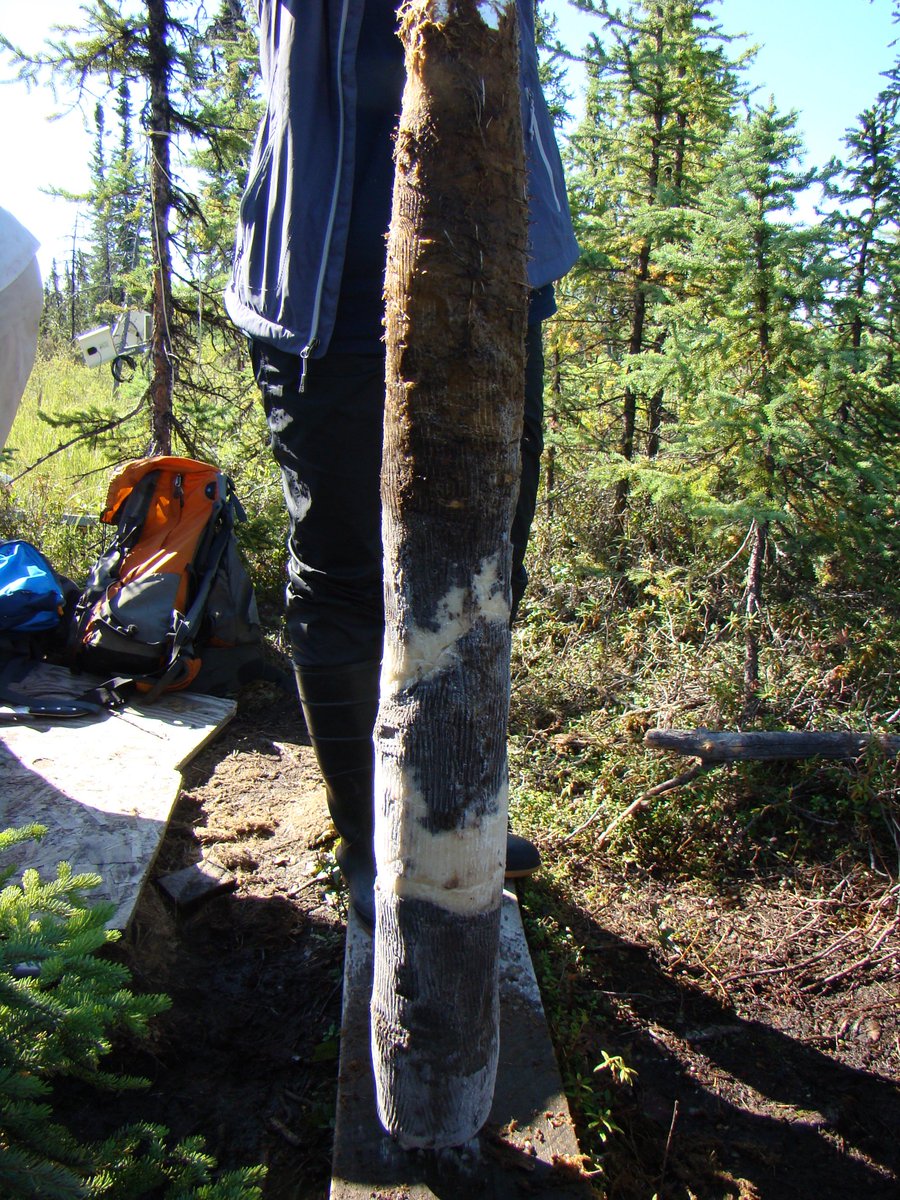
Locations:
170 590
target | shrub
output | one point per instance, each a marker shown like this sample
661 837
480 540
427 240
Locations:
61 1003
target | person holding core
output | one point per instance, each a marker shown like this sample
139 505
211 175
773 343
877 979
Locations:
307 289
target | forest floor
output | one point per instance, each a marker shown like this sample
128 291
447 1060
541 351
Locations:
762 1018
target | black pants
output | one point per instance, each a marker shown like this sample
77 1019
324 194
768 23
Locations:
327 441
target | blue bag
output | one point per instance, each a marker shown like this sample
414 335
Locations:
31 598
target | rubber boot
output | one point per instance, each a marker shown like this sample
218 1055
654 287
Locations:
340 705
522 857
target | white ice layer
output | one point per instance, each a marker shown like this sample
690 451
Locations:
427 651
460 870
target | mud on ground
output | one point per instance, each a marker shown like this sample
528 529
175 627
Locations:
762 1022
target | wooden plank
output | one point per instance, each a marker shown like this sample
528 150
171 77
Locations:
528 1146
104 785
768 745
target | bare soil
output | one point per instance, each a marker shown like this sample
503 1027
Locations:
763 1019
764 1026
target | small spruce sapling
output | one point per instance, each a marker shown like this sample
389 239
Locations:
60 1005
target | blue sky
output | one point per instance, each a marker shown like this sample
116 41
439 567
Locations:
820 57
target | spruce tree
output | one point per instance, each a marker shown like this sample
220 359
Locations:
161 47
101 255
860 373
863 224
61 1004
750 454
863 195
118 211
552 72
660 99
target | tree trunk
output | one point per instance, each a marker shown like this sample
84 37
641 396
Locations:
455 320
760 529
629 397
552 419
159 66
636 345
754 615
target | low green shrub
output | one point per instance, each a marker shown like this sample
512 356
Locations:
61 1004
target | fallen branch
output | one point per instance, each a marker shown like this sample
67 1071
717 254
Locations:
868 960
665 1161
636 805
794 967
714 748
289 1136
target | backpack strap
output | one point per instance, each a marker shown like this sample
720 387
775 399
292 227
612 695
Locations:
186 629
129 520
17 705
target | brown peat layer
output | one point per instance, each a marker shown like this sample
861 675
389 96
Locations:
762 1020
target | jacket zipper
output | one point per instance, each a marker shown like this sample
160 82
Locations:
304 361
329 229
536 136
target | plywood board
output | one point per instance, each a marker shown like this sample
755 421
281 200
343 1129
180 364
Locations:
527 1149
104 785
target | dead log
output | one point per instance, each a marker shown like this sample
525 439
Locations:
768 745
455 328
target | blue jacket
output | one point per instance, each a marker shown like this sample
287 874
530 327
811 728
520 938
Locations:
295 212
